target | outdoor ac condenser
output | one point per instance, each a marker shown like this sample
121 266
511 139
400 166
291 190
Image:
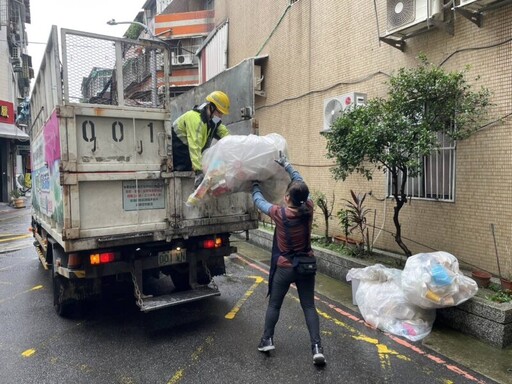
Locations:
406 16
335 106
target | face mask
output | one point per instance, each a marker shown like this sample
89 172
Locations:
216 120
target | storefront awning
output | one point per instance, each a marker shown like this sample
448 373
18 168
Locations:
10 131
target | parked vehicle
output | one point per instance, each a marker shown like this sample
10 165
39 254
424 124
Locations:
107 206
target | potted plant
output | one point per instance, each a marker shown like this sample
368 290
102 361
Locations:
506 277
17 200
352 218
482 278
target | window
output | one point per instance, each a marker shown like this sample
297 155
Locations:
437 181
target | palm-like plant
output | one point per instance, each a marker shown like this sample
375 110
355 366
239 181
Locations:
356 215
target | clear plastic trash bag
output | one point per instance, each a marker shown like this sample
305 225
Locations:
433 280
235 161
383 304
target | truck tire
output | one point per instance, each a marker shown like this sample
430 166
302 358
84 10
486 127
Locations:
64 306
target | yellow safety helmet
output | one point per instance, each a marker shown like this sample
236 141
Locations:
220 100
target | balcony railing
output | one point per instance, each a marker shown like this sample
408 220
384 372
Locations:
185 24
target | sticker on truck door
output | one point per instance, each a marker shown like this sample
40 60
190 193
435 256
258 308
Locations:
143 194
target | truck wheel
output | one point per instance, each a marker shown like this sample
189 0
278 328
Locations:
64 306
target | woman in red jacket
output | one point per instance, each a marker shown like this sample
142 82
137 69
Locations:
292 235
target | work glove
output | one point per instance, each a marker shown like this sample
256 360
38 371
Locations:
282 161
199 178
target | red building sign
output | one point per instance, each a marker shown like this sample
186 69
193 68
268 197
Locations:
6 112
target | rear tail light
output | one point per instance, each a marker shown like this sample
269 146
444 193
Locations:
102 258
212 243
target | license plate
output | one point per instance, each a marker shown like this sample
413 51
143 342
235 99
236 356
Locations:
172 257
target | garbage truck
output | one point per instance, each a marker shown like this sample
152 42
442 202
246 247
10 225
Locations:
107 205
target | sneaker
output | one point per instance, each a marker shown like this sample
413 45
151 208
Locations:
318 355
266 345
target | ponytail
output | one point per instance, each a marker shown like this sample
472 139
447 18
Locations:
299 193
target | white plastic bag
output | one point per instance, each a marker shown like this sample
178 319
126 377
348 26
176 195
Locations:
433 280
235 161
383 304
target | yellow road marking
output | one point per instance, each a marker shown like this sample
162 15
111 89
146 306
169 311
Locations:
180 373
231 314
15 238
383 351
55 360
177 377
28 352
21 293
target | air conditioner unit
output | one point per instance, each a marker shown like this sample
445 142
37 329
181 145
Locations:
182 59
407 16
15 55
334 107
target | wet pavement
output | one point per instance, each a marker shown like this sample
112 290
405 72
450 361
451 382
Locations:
467 351
14 227
489 361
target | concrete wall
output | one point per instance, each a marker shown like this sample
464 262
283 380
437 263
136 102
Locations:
319 49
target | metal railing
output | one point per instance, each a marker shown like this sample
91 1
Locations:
107 70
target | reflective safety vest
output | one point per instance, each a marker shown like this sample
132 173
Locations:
197 135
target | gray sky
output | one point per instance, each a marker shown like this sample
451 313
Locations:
89 16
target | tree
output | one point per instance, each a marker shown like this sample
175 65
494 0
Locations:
394 134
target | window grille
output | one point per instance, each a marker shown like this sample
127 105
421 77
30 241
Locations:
437 180
4 19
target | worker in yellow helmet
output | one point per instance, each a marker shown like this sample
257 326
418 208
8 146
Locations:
194 131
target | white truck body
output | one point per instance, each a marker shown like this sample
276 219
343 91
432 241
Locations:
106 203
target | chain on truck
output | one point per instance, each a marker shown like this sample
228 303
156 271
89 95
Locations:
107 205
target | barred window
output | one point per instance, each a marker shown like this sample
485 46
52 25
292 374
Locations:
4 19
437 181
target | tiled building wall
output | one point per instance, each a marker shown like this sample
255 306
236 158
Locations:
5 67
319 49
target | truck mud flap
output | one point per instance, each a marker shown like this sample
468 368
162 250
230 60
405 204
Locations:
158 302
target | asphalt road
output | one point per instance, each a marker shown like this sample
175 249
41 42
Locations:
211 341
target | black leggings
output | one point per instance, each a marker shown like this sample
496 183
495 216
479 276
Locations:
282 279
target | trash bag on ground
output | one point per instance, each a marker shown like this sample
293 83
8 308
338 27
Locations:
433 280
383 304
235 161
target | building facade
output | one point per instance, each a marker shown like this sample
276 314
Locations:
15 74
323 50
184 25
